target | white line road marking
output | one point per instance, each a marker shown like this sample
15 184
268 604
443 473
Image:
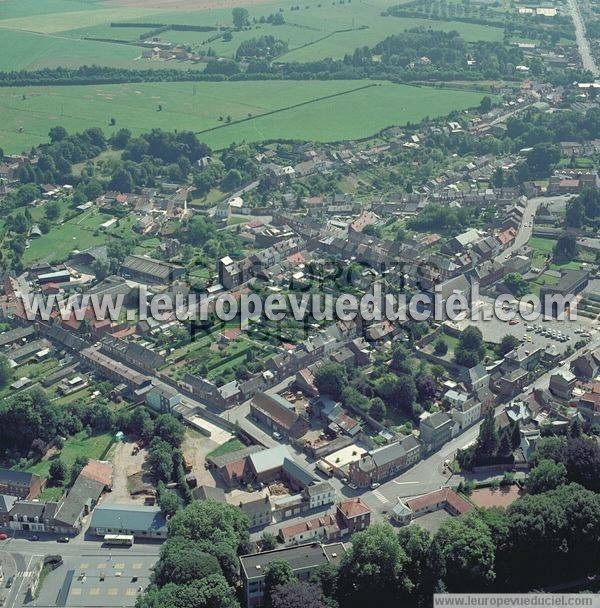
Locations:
404 483
380 496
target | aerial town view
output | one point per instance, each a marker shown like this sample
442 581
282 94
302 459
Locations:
299 303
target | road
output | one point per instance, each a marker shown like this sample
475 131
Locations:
429 474
587 58
526 228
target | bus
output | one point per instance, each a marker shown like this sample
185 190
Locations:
119 539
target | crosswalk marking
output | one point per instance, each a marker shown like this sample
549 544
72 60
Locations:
380 496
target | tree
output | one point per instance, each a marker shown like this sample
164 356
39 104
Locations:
168 501
52 210
505 448
508 343
121 181
466 554
101 268
416 542
181 562
297 595
278 573
331 379
485 105
160 459
397 391
547 475
372 568
487 441
542 158
441 347
565 248
582 459
240 17
426 388
269 541
120 139
471 348
168 428
57 134
516 284
77 467
5 371
212 591
57 472
377 409
208 520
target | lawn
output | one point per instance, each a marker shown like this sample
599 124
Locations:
233 445
80 233
78 445
329 110
542 248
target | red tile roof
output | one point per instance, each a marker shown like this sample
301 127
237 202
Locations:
443 495
354 507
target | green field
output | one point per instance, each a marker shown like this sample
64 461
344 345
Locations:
50 33
80 233
78 445
356 112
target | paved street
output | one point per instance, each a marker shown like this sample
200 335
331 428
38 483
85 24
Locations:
428 474
526 227
582 42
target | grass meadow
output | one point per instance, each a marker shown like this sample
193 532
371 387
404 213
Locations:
49 33
332 110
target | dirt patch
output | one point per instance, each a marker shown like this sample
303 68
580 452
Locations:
125 464
501 497
195 448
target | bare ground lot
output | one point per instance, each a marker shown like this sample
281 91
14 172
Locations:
195 447
124 465
495 497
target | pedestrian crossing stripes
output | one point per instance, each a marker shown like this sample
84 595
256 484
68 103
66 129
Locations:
380 496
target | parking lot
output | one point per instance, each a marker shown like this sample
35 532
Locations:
541 333
114 579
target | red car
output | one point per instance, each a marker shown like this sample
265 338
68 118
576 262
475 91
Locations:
3 536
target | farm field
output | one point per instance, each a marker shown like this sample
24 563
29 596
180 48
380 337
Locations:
332 110
51 33
30 51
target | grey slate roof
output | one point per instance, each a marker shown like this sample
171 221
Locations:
128 517
16 478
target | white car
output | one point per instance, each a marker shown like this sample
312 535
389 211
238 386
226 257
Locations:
375 485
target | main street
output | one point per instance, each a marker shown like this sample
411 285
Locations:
583 44
429 474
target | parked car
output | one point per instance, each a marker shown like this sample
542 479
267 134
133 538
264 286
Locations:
9 581
276 435
375 485
35 537
62 539
3 536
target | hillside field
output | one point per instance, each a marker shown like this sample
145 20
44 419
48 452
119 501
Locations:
50 33
330 110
